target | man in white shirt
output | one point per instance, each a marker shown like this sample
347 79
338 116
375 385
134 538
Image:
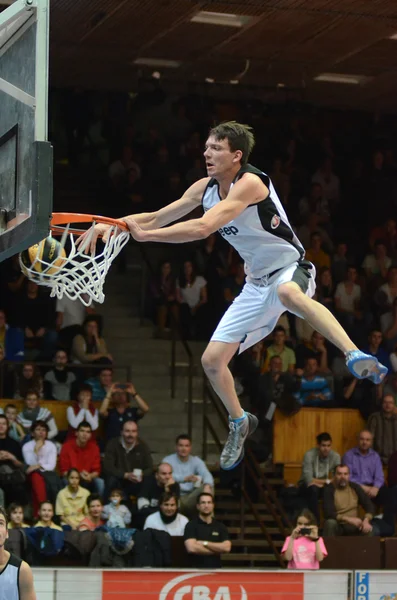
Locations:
167 518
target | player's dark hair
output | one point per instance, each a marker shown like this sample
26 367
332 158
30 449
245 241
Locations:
323 437
239 136
4 513
183 436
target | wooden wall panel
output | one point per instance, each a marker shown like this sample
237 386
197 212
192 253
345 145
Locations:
293 436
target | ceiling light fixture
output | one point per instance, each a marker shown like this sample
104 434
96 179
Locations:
342 78
226 19
157 62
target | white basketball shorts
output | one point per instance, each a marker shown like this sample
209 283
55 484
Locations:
255 312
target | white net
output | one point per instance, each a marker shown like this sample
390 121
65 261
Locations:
81 275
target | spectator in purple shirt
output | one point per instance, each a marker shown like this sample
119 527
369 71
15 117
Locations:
366 469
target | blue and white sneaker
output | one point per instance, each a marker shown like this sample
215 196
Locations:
239 431
364 366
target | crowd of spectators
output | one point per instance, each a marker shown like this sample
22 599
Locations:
338 186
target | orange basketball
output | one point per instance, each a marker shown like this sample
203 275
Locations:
47 251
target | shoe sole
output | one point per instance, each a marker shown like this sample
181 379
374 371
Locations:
252 426
367 367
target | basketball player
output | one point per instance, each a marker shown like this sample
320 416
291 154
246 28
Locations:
16 579
241 203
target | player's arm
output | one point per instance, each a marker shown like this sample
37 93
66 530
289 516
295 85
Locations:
26 586
248 190
174 211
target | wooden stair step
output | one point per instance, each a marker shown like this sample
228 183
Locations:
227 505
252 530
257 543
247 517
249 557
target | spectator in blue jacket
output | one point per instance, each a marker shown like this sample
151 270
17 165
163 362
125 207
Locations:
314 389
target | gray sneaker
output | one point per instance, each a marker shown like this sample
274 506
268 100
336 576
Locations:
233 452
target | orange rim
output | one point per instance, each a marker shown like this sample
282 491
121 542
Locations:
60 220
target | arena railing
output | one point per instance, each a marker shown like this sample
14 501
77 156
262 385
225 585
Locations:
71 366
176 337
250 467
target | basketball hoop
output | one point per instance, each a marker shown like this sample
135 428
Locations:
81 276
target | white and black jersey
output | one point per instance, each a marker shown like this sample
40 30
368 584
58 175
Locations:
9 579
261 234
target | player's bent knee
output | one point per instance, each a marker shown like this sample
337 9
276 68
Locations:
289 294
210 361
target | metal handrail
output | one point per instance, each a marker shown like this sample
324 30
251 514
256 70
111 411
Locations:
177 335
251 465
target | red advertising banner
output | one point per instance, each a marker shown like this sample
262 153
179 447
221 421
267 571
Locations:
218 585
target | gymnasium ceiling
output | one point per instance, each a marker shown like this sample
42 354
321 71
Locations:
280 50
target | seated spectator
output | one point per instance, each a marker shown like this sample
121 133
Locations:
316 254
162 288
191 294
278 348
71 503
32 412
101 384
348 299
276 389
342 501
388 322
375 348
325 288
28 380
390 388
15 431
361 394
93 519
205 538
383 427
89 346
387 233
41 457
127 460
387 293
317 349
46 514
82 453
233 286
117 408
37 317
318 468
167 518
314 202
340 263
376 265
16 516
82 410
190 472
314 388
12 471
116 514
328 180
7 377
11 340
70 315
312 226
58 381
365 467
155 485
304 549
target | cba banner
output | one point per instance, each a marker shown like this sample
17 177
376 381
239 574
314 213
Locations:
150 585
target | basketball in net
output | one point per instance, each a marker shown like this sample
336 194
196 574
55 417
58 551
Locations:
80 273
48 256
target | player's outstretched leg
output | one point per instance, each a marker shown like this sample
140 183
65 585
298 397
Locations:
242 424
361 365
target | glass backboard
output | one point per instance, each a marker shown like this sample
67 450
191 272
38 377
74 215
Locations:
25 153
